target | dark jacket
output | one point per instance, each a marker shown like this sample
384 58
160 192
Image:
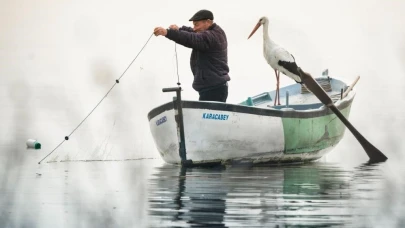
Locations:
209 58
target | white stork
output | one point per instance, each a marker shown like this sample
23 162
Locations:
278 58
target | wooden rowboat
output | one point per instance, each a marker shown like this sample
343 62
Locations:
253 131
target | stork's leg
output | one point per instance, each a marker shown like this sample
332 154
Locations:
278 86
275 98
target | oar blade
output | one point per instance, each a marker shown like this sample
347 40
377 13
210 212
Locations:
373 153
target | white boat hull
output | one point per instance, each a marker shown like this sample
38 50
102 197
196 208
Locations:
237 136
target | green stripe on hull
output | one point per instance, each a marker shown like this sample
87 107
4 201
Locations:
303 135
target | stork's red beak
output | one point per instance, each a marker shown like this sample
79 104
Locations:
255 29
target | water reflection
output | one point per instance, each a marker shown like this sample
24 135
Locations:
317 194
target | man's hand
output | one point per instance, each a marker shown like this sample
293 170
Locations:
174 27
159 31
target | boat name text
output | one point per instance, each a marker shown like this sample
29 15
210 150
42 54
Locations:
213 116
161 120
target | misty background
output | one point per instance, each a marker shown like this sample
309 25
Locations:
59 58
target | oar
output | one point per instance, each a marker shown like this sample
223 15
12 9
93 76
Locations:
373 153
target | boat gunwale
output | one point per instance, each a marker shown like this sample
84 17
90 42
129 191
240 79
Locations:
219 106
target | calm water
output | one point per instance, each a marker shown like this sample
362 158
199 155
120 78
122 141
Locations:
150 193
317 195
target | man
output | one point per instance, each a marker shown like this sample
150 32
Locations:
209 58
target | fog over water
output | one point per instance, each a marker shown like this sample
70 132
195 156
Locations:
59 58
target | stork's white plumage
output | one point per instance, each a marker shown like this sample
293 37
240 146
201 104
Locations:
277 57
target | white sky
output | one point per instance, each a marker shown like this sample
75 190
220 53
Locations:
63 56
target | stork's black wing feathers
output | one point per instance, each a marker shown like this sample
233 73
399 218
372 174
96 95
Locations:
290 66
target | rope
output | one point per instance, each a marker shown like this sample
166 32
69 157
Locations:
177 65
116 82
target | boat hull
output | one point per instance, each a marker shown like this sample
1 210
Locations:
220 132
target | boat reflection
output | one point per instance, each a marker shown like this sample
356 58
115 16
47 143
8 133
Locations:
307 194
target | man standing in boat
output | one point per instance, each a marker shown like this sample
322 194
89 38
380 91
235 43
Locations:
209 57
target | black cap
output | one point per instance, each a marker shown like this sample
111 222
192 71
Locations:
202 15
